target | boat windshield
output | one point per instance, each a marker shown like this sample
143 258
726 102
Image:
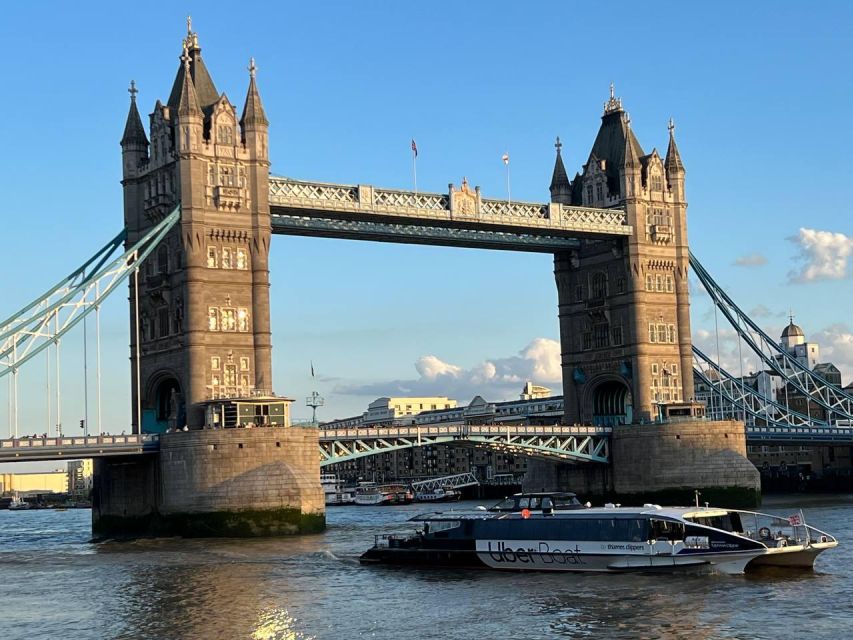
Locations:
538 501
729 522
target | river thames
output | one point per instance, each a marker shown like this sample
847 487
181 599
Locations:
56 584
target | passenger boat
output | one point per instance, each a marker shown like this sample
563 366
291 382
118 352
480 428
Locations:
372 495
554 532
443 494
334 491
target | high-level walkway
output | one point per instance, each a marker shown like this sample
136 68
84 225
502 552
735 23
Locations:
457 218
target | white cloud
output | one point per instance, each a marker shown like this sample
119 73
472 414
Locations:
751 260
824 255
494 379
431 368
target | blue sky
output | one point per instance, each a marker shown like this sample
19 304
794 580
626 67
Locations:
761 95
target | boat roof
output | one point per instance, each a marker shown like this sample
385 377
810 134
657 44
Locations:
677 513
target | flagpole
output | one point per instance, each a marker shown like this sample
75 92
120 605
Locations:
415 166
505 158
508 192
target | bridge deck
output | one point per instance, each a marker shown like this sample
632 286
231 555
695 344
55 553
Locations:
551 440
457 218
35 449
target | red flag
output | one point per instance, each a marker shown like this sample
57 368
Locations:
414 148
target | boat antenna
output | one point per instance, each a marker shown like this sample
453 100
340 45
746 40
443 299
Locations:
696 491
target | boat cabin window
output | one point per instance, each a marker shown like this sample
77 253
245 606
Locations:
566 501
440 526
528 503
666 530
729 522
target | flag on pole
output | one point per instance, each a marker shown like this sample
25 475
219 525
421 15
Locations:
414 148
505 158
312 368
795 520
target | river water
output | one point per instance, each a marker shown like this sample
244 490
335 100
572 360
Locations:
54 583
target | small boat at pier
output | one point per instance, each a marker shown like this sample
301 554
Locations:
554 532
386 494
19 504
443 494
334 490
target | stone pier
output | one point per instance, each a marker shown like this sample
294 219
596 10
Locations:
664 464
226 482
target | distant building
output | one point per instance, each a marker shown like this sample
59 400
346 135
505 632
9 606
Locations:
534 392
32 483
393 410
772 386
534 407
80 477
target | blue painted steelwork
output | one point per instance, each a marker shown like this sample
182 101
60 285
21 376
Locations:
576 444
28 332
837 402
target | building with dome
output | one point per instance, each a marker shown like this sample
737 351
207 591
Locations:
793 340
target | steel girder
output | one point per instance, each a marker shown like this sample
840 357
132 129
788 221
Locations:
301 225
831 397
44 321
575 444
743 399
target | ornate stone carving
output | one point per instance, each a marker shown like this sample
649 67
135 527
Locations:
465 202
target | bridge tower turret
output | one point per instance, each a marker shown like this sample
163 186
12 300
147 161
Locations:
203 317
623 304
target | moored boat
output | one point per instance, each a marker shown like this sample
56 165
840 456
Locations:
334 490
385 494
19 504
444 494
573 537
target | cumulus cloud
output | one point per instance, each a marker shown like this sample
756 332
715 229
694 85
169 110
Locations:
824 255
751 260
494 378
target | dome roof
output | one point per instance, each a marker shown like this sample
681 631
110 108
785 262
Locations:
792 330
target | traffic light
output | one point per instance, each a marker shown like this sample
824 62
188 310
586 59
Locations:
83 424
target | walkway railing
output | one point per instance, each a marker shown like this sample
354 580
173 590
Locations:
54 448
456 206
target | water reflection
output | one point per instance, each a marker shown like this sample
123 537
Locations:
55 584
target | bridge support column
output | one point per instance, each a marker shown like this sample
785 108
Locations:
665 464
229 482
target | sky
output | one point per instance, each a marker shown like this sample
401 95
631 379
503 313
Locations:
760 94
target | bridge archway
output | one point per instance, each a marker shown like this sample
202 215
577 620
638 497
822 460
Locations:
610 402
165 407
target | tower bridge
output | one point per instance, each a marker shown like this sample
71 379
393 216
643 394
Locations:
200 209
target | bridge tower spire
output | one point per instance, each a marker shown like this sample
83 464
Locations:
561 188
623 304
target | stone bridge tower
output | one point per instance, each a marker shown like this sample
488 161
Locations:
623 304
204 323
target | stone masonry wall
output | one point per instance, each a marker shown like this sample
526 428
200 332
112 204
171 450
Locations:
230 482
241 469
682 456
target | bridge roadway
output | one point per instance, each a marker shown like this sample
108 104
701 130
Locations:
575 443
457 218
